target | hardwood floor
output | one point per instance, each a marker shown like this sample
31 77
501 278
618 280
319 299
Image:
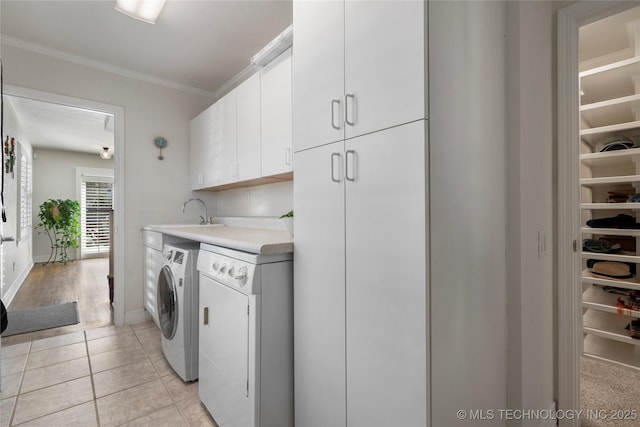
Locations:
84 281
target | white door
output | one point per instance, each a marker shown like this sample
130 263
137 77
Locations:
319 274
386 278
203 142
224 352
227 156
276 112
318 73
248 128
385 66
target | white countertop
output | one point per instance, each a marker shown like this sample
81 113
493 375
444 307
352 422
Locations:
254 240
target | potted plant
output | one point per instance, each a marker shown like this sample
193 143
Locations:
60 220
288 221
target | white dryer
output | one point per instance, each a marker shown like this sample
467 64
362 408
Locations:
177 299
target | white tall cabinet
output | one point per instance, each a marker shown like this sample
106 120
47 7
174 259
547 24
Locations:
400 212
360 202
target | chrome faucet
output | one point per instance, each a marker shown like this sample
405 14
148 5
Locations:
203 219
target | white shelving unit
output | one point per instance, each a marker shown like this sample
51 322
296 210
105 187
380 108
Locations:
610 107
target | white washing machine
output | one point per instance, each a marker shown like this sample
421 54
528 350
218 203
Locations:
178 308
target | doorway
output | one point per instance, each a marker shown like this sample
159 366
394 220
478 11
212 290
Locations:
571 131
118 166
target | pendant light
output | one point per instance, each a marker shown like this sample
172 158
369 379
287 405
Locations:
105 154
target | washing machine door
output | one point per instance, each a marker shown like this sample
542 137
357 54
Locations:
167 303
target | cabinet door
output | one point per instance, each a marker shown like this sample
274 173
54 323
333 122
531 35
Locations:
385 73
276 116
152 264
319 294
248 128
203 148
227 137
318 73
387 280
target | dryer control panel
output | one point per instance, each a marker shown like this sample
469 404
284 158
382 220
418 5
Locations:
237 274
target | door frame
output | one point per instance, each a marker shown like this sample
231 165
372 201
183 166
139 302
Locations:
118 185
569 311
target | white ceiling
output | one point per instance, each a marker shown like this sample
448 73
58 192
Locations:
196 46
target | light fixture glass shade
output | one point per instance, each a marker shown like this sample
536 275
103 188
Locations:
144 10
105 153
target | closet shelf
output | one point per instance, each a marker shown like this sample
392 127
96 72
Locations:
597 299
609 206
631 62
590 182
611 111
594 135
589 277
616 158
611 231
608 325
622 257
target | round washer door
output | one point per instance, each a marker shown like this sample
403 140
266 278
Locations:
167 303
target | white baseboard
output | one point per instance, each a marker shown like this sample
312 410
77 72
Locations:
45 258
136 316
15 286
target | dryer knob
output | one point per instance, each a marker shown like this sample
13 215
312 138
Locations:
230 271
241 277
223 268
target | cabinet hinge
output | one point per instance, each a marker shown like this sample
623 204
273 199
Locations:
575 246
247 310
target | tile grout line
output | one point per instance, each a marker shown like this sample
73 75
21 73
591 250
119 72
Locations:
93 386
23 372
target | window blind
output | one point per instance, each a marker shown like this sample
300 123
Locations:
97 203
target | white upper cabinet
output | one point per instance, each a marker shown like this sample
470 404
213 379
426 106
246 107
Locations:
359 67
276 123
203 148
248 129
385 71
318 73
227 133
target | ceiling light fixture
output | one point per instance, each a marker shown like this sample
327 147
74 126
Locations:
105 154
144 10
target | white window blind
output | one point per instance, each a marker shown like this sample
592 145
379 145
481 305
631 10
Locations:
96 203
25 199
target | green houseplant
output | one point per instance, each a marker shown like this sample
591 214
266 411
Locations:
60 221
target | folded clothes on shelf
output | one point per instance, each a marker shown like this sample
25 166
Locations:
600 246
618 221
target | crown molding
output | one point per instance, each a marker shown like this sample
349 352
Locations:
103 66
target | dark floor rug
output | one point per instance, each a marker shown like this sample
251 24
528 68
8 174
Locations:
39 318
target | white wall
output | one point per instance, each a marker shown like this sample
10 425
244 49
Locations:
468 200
154 189
531 189
16 256
54 177
262 200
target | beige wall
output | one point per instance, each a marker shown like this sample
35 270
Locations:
16 256
54 177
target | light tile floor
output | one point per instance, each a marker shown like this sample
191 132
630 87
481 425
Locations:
108 376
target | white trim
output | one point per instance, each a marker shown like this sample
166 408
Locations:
569 340
16 285
136 316
80 60
119 183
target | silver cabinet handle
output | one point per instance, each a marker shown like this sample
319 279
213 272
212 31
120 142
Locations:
287 156
7 239
346 108
206 316
352 154
333 175
333 114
